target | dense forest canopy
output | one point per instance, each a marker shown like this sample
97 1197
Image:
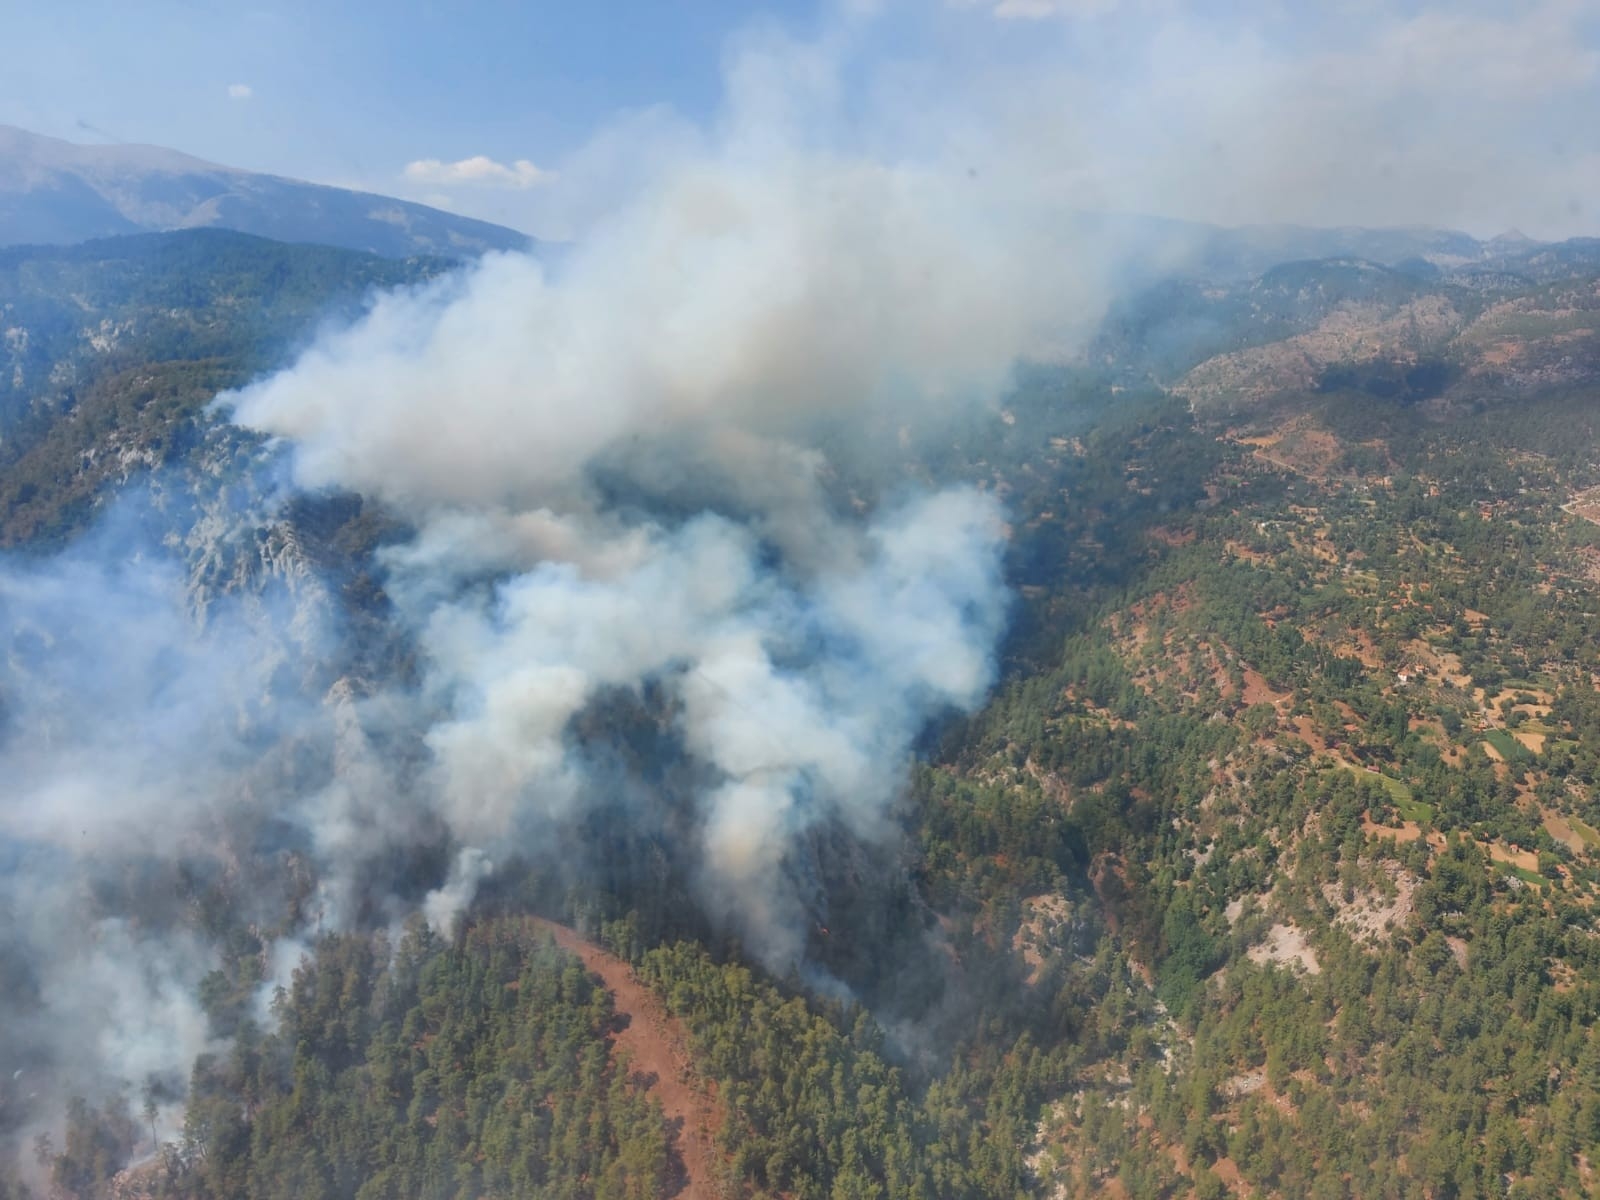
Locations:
1268 868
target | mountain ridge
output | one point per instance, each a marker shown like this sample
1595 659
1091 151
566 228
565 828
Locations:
56 192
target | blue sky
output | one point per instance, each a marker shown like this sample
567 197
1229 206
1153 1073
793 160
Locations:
343 89
1475 113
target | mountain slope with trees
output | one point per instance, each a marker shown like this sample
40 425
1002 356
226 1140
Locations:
55 192
1270 869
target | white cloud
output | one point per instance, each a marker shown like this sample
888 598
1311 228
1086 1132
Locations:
477 171
240 91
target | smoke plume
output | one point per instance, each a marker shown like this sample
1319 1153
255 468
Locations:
619 475
674 464
671 466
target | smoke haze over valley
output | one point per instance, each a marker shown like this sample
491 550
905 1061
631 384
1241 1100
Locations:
610 477
773 564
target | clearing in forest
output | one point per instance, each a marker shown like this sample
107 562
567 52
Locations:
658 1046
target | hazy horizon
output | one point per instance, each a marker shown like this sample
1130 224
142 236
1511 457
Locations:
1463 116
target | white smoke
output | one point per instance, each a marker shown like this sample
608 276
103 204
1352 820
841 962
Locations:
133 735
107 683
752 298
443 906
625 471
619 477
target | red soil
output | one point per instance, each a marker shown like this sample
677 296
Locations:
658 1046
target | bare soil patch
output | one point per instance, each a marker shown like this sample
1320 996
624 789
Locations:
658 1046
1258 691
1585 504
1306 730
1367 650
1503 353
1371 915
1406 831
1171 537
1526 859
1286 944
1043 917
1563 832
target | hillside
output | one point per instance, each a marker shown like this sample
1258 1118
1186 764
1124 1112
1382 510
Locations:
54 192
1163 247
109 350
1269 868
659 1054
1518 320
1324 768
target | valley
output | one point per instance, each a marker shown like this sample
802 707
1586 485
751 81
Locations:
1269 867
824 600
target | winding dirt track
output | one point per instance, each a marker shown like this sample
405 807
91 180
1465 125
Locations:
659 1048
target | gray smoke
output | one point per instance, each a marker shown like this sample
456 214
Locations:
134 735
619 477
669 465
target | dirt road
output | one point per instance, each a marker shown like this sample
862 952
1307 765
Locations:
659 1047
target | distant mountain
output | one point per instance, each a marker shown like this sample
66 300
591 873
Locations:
1518 319
55 192
1159 248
